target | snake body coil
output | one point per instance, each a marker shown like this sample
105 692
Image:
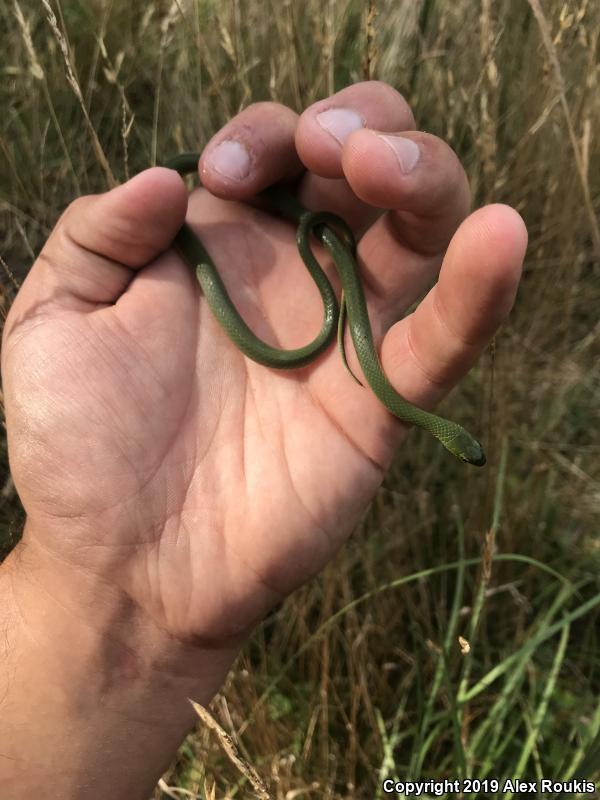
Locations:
353 307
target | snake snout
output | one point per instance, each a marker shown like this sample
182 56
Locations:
467 449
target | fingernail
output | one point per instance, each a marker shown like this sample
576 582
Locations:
340 122
230 159
406 151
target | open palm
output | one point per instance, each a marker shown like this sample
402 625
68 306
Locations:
150 452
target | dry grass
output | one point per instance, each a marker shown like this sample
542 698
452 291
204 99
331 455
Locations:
332 693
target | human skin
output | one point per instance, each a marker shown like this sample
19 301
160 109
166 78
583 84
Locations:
176 491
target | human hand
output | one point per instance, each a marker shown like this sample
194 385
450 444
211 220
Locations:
150 455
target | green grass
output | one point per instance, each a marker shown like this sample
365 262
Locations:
360 674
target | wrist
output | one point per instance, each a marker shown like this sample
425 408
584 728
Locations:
90 681
59 604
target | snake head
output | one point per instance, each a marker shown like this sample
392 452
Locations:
468 449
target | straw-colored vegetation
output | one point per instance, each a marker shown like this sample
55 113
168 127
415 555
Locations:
361 674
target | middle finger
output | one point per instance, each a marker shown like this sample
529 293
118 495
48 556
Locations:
321 132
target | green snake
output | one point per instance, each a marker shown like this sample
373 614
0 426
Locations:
352 310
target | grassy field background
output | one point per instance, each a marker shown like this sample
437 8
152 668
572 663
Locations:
361 674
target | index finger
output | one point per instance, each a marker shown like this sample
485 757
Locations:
252 151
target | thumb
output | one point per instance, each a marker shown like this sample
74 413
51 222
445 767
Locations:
100 239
